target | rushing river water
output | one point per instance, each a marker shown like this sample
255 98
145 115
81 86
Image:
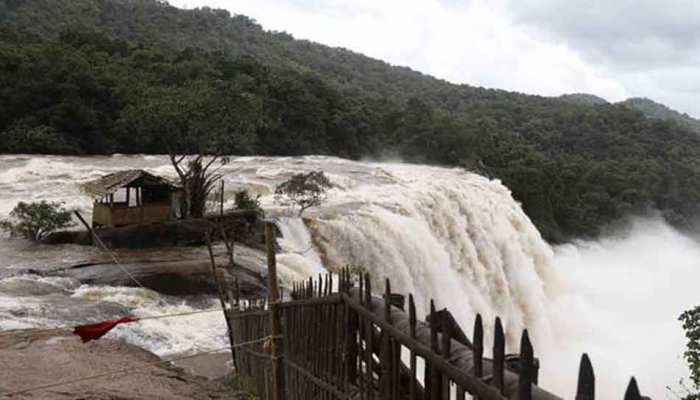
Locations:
438 233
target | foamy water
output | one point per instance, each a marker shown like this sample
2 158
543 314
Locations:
624 294
438 233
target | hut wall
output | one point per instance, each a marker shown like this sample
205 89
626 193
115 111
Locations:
101 215
121 215
146 214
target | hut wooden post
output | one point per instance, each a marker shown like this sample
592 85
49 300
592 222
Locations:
278 391
141 209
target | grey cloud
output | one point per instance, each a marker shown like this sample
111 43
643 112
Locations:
631 34
652 47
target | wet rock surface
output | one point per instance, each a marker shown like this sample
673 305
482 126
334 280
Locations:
174 272
30 362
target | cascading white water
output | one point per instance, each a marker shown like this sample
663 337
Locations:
452 236
300 259
442 234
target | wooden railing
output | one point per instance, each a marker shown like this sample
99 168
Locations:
338 340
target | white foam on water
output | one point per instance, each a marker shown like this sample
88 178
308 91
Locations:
622 300
166 336
298 258
21 313
24 311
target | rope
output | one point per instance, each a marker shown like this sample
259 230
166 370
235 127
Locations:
116 261
128 369
66 327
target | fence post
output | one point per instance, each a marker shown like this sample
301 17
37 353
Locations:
385 356
412 389
526 368
499 350
632 392
434 375
278 391
478 349
585 390
222 301
446 347
351 340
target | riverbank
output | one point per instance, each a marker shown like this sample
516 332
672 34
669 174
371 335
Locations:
30 362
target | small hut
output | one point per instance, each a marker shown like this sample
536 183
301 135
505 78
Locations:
132 197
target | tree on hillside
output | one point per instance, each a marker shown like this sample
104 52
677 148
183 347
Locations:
198 125
40 139
305 190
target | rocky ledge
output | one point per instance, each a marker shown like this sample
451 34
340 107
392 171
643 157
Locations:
30 362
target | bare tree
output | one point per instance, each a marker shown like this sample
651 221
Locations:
305 190
198 175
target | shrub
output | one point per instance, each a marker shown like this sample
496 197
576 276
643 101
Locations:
35 221
244 201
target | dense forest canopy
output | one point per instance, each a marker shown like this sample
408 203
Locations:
128 76
652 109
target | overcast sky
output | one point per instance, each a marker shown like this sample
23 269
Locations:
611 48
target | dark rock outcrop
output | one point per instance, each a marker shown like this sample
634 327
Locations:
173 275
244 226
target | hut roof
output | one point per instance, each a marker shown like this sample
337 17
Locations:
109 184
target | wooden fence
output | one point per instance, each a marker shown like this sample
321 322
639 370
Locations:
338 340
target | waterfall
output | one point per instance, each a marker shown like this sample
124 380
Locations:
299 259
441 234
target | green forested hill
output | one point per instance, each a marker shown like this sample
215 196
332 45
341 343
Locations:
583 99
652 109
102 76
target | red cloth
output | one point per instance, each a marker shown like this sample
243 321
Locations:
96 331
